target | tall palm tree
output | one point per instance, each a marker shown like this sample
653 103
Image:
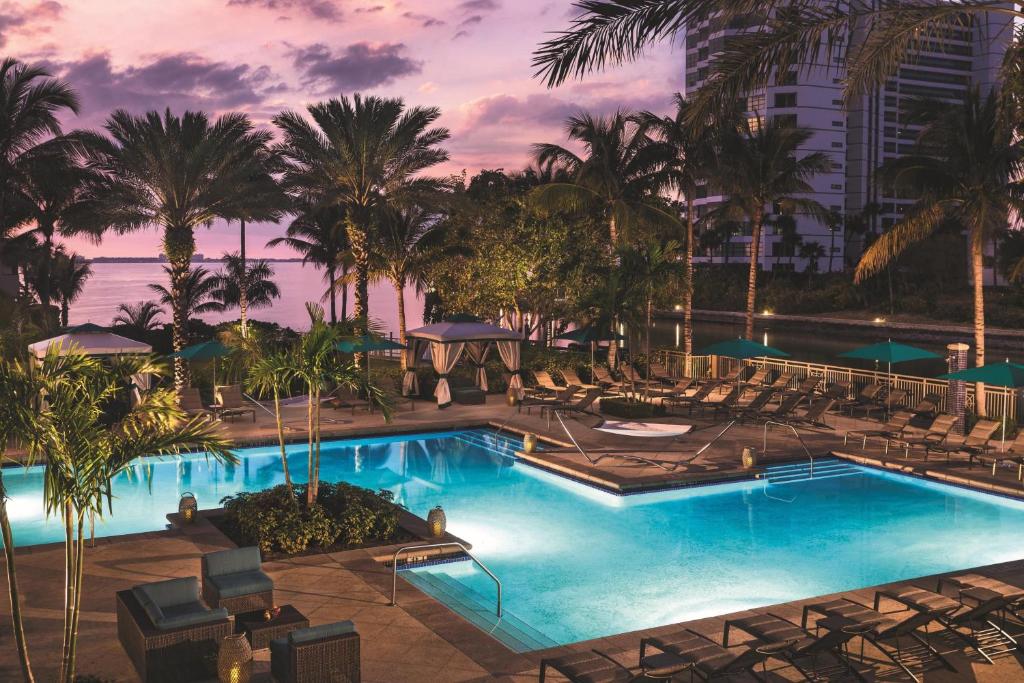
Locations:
966 167
757 169
355 153
68 277
318 234
195 296
141 317
271 372
690 151
241 284
619 174
175 173
406 242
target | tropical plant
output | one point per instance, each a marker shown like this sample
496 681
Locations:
619 175
140 317
690 151
318 233
757 169
176 173
966 168
241 284
270 371
68 276
195 296
354 154
83 447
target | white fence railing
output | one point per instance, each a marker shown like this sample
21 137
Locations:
999 401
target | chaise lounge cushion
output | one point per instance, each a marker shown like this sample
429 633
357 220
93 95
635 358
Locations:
242 583
175 603
234 561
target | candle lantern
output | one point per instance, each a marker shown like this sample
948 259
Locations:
749 458
529 443
437 522
234 660
187 507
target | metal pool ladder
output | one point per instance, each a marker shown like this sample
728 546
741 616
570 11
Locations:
450 544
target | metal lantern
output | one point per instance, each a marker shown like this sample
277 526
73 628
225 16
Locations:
749 458
234 660
511 399
187 506
437 522
529 442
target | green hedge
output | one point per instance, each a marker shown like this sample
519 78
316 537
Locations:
344 515
631 409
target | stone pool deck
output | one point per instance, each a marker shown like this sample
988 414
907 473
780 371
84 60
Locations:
420 640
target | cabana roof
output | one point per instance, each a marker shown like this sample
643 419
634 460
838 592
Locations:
453 332
90 343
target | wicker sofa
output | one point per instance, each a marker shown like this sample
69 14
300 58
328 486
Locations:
234 579
155 618
329 652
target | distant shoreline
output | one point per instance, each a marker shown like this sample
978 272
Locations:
160 259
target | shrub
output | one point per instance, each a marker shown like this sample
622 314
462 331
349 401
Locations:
343 515
631 409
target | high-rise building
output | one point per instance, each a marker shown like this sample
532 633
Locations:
857 140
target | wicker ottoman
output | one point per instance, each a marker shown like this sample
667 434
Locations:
469 396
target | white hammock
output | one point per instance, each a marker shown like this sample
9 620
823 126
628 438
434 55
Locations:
643 429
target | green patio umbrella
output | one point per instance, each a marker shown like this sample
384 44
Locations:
203 352
741 349
365 344
590 335
890 352
1005 374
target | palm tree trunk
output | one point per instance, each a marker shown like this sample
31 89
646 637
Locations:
755 244
79 578
309 455
316 428
280 441
69 586
179 246
688 285
332 295
978 271
358 239
17 622
647 341
65 310
613 234
243 286
344 294
399 292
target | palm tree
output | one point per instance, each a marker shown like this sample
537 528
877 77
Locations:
83 451
141 317
757 170
318 233
251 285
619 174
407 240
354 154
177 174
195 296
966 168
271 372
690 151
69 276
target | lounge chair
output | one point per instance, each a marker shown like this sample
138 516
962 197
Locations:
603 377
782 382
893 428
813 417
865 397
725 405
928 406
732 377
659 371
633 376
935 433
757 379
1014 454
806 651
679 388
233 404
572 408
191 402
562 396
893 399
709 659
544 384
572 377
155 617
840 391
594 666
329 652
348 398
1014 594
779 413
700 396
806 386
234 579
756 405
977 441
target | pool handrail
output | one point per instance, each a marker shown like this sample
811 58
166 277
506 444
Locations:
764 444
446 544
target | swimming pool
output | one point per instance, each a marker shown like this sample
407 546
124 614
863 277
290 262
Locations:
578 563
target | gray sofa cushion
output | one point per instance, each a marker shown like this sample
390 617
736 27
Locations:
243 583
305 635
189 614
234 561
164 594
150 607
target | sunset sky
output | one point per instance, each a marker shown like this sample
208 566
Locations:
469 57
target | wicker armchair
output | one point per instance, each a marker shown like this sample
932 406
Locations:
329 652
234 579
147 628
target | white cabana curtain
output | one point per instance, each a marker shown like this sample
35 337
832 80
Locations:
411 383
477 352
445 356
509 352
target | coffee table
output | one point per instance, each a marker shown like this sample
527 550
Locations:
260 631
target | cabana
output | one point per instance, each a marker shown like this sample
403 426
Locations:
448 341
93 340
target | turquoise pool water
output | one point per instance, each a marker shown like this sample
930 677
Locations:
578 563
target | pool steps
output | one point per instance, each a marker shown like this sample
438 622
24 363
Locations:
494 443
478 609
826 468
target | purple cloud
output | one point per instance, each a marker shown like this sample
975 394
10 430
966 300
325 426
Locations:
479 5
359 66
547 110
425 20
319 9
15 18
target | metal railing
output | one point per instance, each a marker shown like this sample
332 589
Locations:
449 544
999 401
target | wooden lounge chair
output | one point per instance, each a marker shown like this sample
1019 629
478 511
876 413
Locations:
190 401
594 666
233 404
709 659
977 441
865 397
572 377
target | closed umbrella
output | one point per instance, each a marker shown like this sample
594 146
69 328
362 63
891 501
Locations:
1006 374
890 352
203 352
590 335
